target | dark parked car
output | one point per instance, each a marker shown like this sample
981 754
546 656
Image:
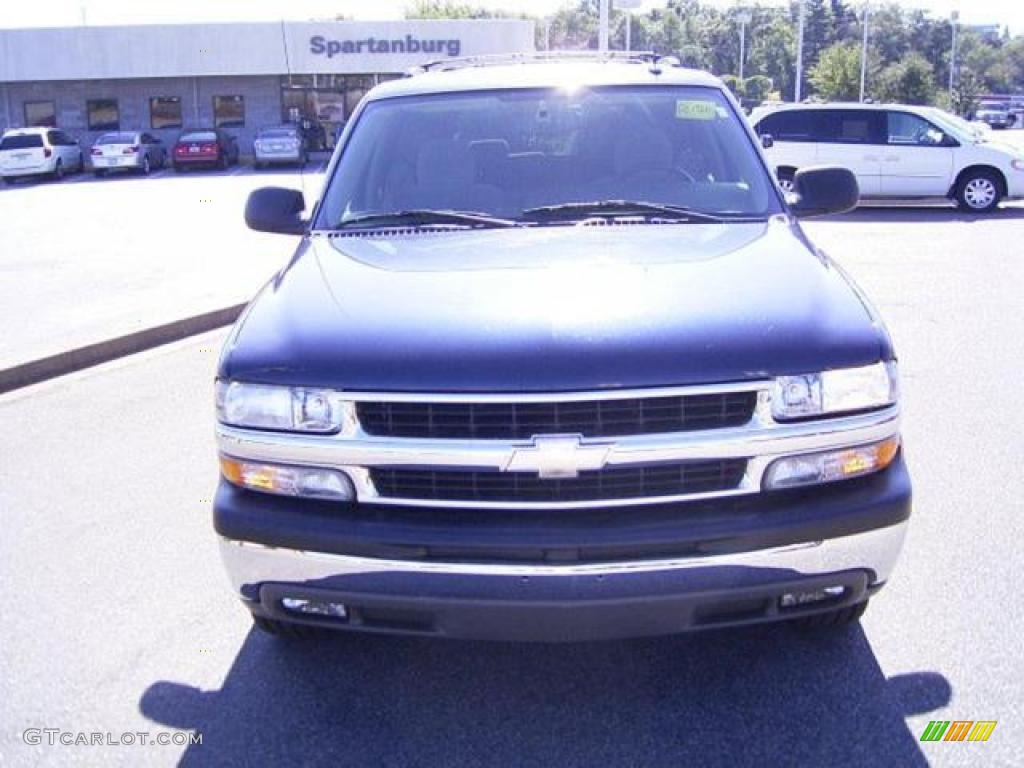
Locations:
557 363
204 147
996 113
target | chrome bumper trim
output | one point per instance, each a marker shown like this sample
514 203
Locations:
250 564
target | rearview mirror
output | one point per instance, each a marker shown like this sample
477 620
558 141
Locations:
276 209
821 190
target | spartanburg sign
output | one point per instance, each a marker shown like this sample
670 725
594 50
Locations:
321 46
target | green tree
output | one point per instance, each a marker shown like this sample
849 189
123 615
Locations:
757 88
910 81
705 35
836 76
733 84
889 33
965 93
773 51
819 29
444 9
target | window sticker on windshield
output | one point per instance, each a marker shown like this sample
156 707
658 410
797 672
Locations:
689 109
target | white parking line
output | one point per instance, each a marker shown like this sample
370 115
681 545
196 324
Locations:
238 169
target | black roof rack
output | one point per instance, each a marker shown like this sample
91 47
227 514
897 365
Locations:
628 57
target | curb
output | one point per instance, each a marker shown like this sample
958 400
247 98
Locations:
77 359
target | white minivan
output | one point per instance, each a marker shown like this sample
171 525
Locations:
896 151
38 152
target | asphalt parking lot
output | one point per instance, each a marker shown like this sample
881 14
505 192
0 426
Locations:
87 259
118 617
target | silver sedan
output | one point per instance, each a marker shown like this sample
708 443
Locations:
279 145
127 150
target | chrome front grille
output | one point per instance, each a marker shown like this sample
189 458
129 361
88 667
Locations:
657 481
496 420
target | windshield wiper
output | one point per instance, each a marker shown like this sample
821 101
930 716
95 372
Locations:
623 208
427 217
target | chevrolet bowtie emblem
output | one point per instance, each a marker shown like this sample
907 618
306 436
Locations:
558 456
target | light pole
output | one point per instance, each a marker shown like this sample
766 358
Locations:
799 52
627 6
602 25
866 16
743 18
953 18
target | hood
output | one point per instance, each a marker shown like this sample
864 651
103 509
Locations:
553 309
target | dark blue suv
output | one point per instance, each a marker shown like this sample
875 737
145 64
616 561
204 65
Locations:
554 360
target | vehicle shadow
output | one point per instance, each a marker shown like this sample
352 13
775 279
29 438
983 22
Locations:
760 696
900 214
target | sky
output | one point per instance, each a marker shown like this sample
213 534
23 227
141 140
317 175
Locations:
53 13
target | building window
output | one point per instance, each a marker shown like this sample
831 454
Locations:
165 112
228 111
103 115
40 113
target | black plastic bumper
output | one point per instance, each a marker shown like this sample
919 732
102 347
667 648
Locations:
563 618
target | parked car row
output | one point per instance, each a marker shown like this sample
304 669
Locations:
52 153
895 151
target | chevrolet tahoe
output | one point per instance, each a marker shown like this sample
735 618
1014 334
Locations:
554 360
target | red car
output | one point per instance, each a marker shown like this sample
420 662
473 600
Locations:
204 147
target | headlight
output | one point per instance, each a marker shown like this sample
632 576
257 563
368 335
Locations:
833 392
829 466
284 408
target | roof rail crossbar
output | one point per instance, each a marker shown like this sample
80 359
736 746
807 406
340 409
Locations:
527 57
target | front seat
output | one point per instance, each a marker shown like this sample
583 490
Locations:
446 177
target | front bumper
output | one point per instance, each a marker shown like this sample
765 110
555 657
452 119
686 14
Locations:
564 603
565 576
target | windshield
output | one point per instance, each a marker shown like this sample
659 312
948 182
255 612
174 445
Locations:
506 153
199 136
955 126
21 141
116 138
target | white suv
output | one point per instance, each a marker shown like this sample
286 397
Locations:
38 152
896 151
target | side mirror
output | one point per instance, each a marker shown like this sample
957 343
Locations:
275 209
824 189
767 141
